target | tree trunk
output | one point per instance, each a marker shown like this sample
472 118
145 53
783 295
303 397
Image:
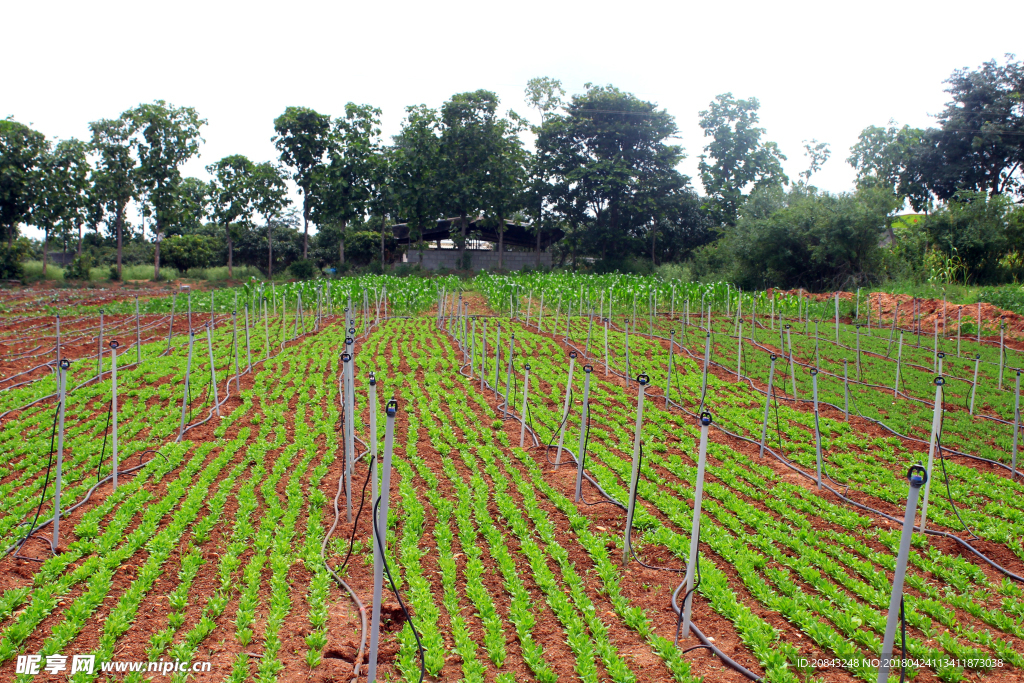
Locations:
231 253
462 245
501 241
341 244
538 246
119 223
270 253
305 224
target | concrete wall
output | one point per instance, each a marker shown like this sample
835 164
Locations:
480 259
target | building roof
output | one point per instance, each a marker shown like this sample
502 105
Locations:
516 234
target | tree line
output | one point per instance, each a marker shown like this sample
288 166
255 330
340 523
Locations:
602 171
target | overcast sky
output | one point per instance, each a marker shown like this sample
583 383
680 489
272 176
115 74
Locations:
821 70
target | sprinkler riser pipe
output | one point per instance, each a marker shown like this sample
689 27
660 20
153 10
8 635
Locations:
58 475
635 475
565 412
584 416
932 445
698 495
381 524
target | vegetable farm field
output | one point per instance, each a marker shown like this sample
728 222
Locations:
238 534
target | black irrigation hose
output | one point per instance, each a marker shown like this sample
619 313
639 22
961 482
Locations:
705 642
355 524
46 482
99 463
394 589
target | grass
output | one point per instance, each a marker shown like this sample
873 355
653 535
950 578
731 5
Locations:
34 273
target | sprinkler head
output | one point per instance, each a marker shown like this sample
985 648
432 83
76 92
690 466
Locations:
349 341
773 357
977 356
373 379
65 364
705 419
590 368
527 366
604 319
941 354
351 330
572 354
391 408
814 371
788 326
642 379
114 343
346 357
917 475
939 381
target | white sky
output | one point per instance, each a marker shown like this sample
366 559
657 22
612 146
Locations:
821 70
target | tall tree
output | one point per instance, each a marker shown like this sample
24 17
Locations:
341 187
192 207
736 160
270 198
21 153
164 137
545 95
609 167
506 175
979 144
883 158
303 139
69 187
817 154
231 192
415 169
468 132
115 183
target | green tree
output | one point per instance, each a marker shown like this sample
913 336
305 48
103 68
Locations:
185 252
736 159
607 169
115 181
303 139
22 151
545 95
468 139
164 137
883 158
817 154
62 182
415 171
979 230
505 187
979 144
192 207
341 186
232 198
270 199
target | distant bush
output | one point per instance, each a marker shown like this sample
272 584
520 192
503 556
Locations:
303 269
185 252
11 258
80 268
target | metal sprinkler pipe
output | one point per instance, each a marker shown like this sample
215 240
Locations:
932 445
698 495
565 408
668 380
1016 427
62 381
584 418
767 404
641 380
508 374
138 333
917 476
974 384
899 360
346 359
817 425
704 374
248 348
99 351
213 369
526 391
113 401
373 436
380 526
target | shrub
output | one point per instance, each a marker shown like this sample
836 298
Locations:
80 268
11 258
183 252
303 269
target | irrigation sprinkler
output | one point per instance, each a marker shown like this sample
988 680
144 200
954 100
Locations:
917 476
170 328
472 349
184 392
935 347
584 420
739 354
483 355
858 352
373 436
508 374
234 342
938 359
526 391
704 374
113 401
266 329
642 380
817 426
380 530
1002 351
846 389
698 495
767 404
792 365
65 365
565 408
497 361
1016 427
627 356
590 331
99 351
346 360
899 359
932 445
138 333
837 317
248 349
974 384
213 369
668 381
606 369
895 319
